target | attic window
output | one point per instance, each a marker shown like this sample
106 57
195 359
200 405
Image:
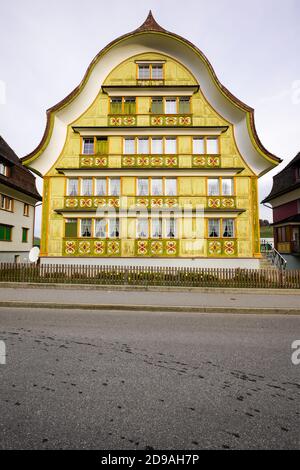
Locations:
150 72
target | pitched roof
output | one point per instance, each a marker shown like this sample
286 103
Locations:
285 182
20 178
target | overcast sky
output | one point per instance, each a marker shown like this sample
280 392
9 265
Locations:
254 47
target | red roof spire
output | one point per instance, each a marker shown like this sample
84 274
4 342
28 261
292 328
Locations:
150 24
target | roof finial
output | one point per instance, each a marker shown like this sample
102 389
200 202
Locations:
150 24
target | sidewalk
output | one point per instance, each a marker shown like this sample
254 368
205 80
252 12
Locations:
156 299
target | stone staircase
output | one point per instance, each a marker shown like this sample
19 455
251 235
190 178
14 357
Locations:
266 263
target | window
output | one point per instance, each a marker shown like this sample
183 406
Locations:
26 210
122 105
100 228
227 187
214 228
198 146
88 146
144 72
170 187
282 234
156 187
129 146
100 186
86 228
114 228
228 228
71 228
156 229
5 233
25 235
213 187
157 72
150 72
129 105
171 106
6 203
116 105
212 146
142 187
3 169
73 187
114 186
143 145
184 105
157 105
142 228
171 228
157 145
86 186
170 145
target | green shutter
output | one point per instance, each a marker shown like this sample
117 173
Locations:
24 235
5 233
71 228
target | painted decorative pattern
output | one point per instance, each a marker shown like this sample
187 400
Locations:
99 247
94 162
128 120
204 161
224 248
92 202
178 120
221 202
158 202
154 161
157 248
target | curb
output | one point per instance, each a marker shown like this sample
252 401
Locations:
152 308
203 290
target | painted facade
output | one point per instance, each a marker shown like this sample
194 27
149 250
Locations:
18 197
151 161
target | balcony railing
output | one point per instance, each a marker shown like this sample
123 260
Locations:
155 120
149 161
92 203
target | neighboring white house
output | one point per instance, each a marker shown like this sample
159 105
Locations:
18 197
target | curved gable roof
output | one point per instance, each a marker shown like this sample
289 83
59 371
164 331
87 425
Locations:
151 36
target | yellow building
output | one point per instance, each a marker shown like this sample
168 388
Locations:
151 161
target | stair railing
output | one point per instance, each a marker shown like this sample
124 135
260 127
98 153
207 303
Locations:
273 255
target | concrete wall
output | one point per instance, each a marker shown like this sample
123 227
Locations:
173 263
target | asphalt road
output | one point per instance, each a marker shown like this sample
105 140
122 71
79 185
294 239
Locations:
118 380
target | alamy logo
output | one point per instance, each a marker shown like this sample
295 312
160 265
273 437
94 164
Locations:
296 353
2 353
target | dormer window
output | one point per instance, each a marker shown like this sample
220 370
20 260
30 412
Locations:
150 72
